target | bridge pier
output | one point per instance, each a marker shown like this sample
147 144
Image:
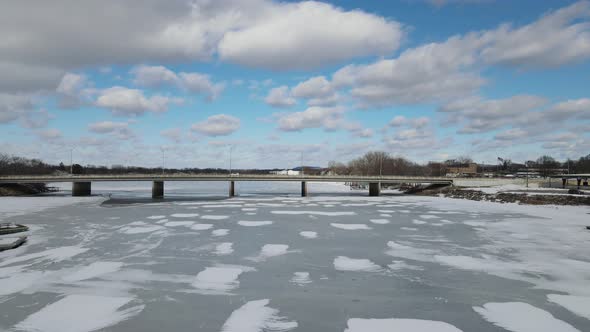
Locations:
374 189
81 188
303 189
232 189
158 189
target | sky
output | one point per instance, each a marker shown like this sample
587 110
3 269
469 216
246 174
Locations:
269 83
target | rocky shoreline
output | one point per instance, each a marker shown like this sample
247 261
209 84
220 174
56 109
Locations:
11 189
537 199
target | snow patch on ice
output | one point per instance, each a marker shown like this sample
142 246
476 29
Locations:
343 263
398 324
256 316
214 217
93 270
224 248
317 213
379 221
220 232
179 223
271 250
522 317
156 217
80 313
418 222
350 227
219 279
184 215
301 278
254 223
53 255
309 234
201 227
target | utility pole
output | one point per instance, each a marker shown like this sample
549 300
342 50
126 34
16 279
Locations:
163 159
381 166
301 163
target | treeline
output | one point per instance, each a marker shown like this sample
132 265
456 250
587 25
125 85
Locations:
12 165
381 163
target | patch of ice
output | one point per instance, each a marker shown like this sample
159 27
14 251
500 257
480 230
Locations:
218 279
249 209
179 223
343 263
19 281
156 217
301 278
162 221
213 206
385 215
398 324
184 215
53 255
271 250
401 265
137 223
317 213
140 230
379 221
201 227
16 206
93 270
409 229
350 227
418 222
522 317
386 211
80 313
256 316
220 232
308 234
214 217
254 223
429 216
579 305
224 248
394 245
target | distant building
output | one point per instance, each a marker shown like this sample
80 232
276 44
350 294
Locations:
462 169
286 172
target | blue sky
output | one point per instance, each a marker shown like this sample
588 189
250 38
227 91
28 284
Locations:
127 82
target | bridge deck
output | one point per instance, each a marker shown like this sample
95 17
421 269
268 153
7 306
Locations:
222 177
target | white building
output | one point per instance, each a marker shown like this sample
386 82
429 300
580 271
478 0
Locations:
286 172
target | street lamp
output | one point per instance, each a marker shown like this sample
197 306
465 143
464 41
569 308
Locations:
231 147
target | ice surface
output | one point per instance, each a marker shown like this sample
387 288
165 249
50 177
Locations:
256 316
93 270
271 250
579 305
398 324
522 317
16 206
53 255
380 221
343 263
350 227
156 217
317 213
308 234
179 223
80 313
140 230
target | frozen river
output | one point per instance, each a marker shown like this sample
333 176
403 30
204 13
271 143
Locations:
336 261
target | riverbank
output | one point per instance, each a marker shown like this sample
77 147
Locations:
534 197
24 189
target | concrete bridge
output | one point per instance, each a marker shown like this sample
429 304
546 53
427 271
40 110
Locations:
82 184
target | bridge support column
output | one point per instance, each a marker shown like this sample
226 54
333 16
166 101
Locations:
232 189
579 182
81 188
585 183
158 189
564 182
303 189
374 189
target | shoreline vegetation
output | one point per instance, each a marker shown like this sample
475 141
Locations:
24 189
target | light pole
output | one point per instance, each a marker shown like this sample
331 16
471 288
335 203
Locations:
231 147
163 159
72 161
301 163
381 166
